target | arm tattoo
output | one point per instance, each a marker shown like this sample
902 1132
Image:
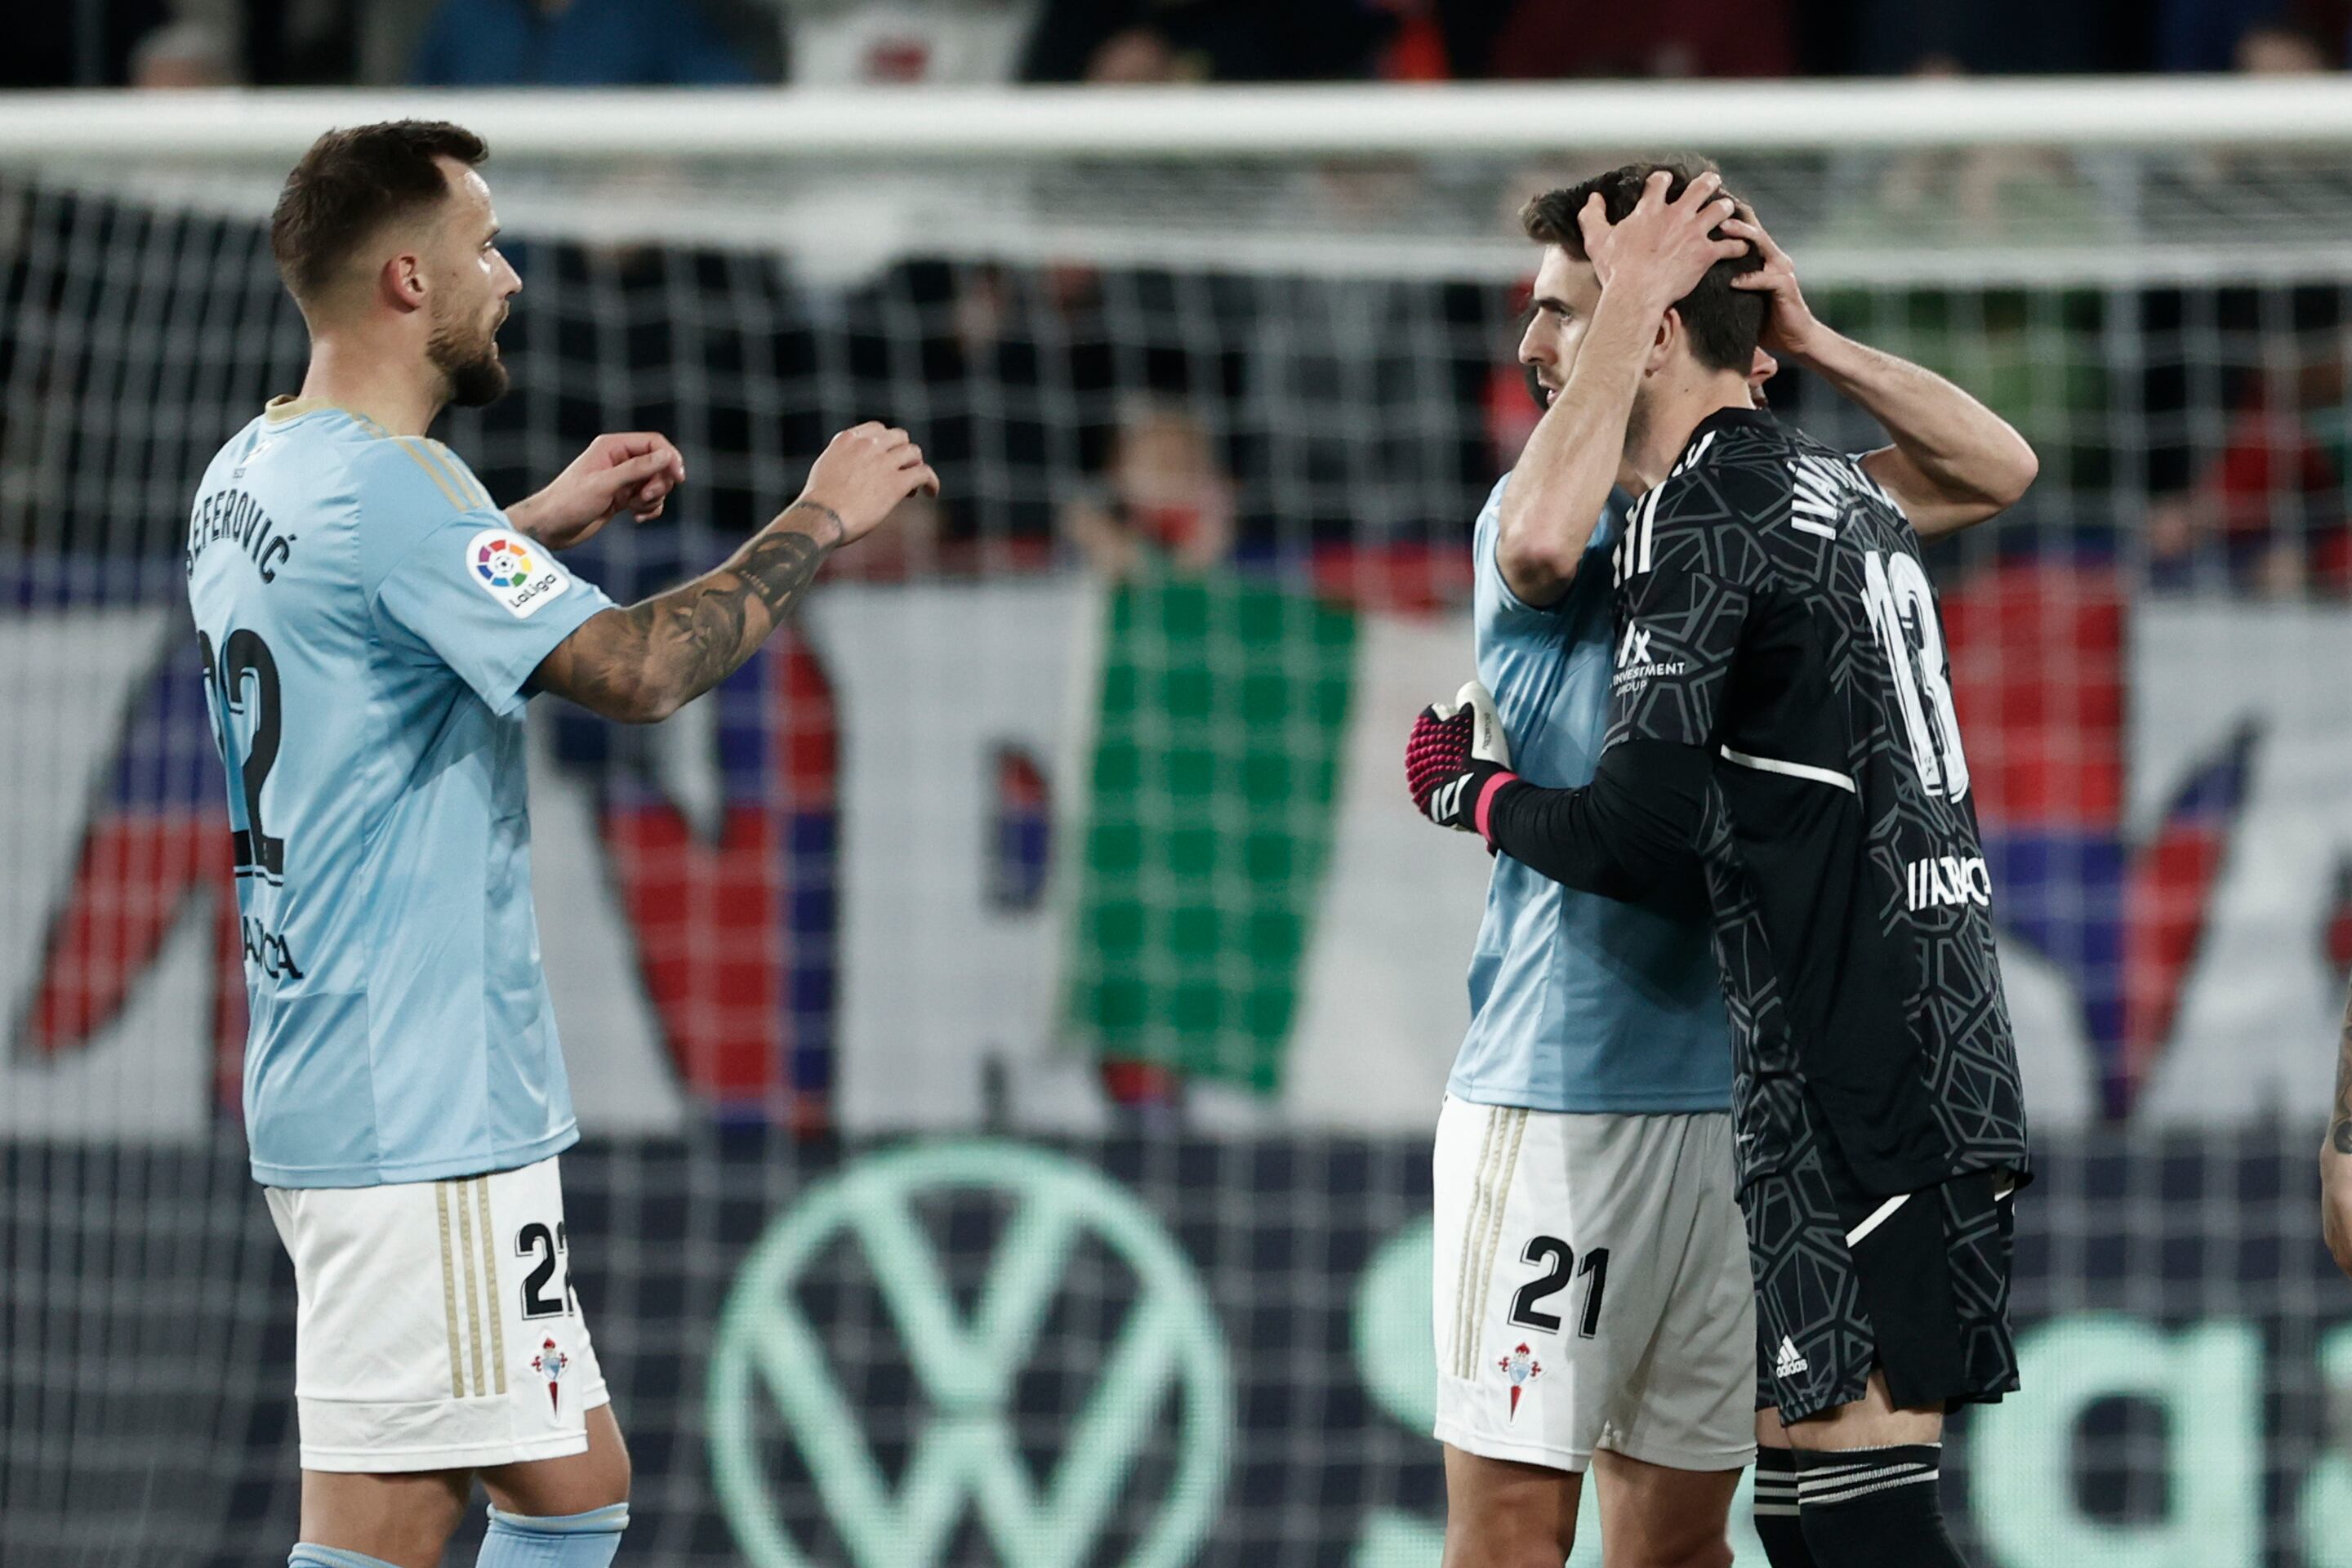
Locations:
2339 1122
701 633
677 646
780 564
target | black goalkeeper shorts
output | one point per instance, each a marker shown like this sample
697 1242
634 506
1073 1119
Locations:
1846 1282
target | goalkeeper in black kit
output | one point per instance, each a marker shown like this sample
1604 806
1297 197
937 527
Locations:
1782 734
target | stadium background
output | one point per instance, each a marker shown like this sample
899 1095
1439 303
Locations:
1007 1018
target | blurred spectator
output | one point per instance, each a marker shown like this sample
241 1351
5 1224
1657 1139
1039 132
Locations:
1466 33
2269 511
1202 40
1542 39
1416 49
2204 35
1988 37
575 43
389 33
1165 494
858 43
2256 36
1954 195
292 43
183 55
2276 50
1138 56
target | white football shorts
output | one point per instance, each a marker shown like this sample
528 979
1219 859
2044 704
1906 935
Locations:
1593 1288
436 1327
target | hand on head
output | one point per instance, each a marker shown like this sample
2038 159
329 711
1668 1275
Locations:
1664 246
1788 323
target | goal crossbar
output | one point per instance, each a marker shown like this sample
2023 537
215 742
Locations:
959 125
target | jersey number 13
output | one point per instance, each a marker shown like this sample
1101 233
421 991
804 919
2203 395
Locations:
1901 608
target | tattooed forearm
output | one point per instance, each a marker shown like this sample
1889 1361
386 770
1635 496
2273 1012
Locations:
781 562
695 636
2340 1120
702 632
643 663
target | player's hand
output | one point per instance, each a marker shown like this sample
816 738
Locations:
1457 750
1662 247
1790 324
2335 1204
862 475
632 472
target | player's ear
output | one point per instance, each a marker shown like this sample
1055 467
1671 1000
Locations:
400 282
1663 346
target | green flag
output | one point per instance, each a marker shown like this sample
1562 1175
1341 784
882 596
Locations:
1210 820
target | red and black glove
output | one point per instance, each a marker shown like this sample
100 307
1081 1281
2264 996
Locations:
1456 759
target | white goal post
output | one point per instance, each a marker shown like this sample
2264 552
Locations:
954 125
2134 176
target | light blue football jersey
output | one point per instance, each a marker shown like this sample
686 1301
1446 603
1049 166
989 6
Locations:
1578 1003
368 620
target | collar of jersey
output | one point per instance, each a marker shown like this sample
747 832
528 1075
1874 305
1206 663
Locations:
1723 418
279 410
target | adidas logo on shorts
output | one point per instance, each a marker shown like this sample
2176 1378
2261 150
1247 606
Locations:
1789 1362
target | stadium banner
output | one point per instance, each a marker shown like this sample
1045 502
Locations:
1042 849
1139 1352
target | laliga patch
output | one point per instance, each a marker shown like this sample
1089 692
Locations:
513 571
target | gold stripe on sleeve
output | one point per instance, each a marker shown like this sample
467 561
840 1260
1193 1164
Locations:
449 1290
449 492
490 1278
447 463
465 477
473 1297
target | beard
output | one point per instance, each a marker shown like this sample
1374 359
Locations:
1536 388
477 375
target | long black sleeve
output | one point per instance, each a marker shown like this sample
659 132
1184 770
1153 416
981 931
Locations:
1629 835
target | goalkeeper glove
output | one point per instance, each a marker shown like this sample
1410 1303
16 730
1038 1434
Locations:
1456 759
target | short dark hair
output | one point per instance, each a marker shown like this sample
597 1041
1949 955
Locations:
1722 322
353 181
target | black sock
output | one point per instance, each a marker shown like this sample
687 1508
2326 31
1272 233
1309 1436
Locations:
1775 1510
1865 1508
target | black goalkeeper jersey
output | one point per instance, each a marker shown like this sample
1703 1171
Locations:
1771 609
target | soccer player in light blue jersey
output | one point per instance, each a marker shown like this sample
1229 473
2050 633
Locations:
1593 1298
372 625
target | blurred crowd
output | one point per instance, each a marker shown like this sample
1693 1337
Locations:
583 43
2243 471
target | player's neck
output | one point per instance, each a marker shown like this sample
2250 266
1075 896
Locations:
1672 413
404 397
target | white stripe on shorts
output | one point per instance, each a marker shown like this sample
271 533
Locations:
1498 1157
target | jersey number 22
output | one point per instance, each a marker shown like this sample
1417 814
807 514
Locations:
242 682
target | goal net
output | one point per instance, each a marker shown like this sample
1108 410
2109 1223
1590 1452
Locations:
1008 1017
